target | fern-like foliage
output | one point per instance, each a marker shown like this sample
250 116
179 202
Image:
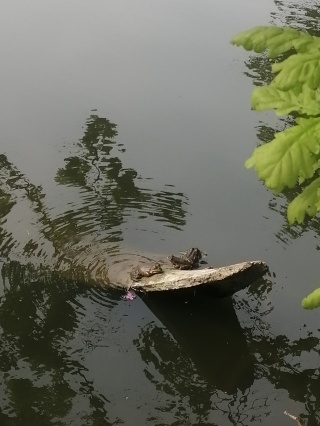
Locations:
294 154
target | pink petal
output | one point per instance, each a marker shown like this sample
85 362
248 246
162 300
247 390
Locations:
130 295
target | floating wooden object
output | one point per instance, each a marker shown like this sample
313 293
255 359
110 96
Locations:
222 281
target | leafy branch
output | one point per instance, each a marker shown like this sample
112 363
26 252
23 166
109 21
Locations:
293 156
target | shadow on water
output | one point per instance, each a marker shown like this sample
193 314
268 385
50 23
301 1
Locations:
210 333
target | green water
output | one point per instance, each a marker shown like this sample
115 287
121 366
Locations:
124 129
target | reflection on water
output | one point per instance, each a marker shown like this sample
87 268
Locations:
86 233
83 354
63 341
298 15
46 255
287 364
39 320
211 336
110 191
73 354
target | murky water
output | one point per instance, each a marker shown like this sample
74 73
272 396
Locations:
124 129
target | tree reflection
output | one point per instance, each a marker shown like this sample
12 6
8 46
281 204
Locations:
234 364
37 317
48 255
108 196
285 363
173 373
40 309
298 15
112 192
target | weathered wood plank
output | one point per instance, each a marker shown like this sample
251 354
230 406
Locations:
223 281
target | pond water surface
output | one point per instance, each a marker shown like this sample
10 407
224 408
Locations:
124 129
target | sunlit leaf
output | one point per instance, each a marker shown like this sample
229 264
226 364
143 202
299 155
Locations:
293 155
305 203
288 157
304 101
299 69
312 301
275 40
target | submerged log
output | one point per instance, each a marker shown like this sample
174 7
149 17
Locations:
221 282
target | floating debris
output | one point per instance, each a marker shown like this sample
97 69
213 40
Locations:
130 295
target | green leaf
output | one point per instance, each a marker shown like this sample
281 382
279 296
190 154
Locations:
304 101
312 301
305 203
299 69
275 39
290 156
294 154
